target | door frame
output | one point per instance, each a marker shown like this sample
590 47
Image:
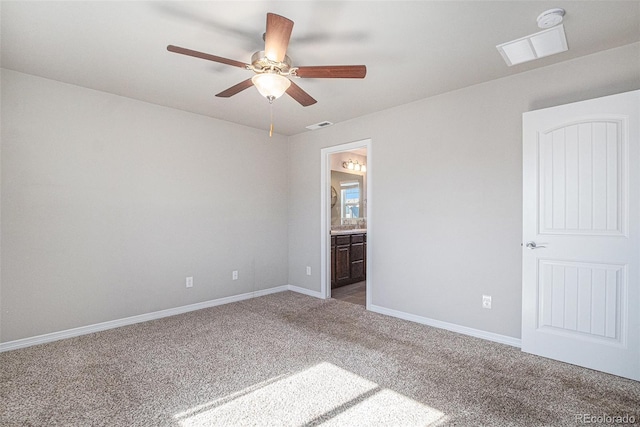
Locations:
325 214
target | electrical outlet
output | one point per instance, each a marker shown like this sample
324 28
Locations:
308 271
189 282
234 275
486 301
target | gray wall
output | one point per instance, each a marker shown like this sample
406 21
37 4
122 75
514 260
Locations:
108 204
446 206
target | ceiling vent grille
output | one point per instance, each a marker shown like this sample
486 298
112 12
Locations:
319 125
538 45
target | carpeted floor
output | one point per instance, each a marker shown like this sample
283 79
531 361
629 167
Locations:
289 359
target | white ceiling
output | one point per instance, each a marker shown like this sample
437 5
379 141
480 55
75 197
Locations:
412 50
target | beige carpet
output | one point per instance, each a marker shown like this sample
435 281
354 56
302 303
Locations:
289 359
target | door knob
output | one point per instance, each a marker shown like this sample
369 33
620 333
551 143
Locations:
533 245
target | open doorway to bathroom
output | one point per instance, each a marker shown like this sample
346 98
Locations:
347 223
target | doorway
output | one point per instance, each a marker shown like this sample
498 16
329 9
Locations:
346 188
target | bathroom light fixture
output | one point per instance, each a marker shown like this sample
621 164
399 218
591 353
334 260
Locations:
354 166
538 45
271 85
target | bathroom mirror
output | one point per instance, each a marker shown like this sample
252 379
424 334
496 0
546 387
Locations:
349 206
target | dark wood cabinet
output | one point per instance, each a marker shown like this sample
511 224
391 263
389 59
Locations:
343 260
357 265
348 259
333 262
365 256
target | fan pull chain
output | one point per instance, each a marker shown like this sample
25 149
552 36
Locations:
271 126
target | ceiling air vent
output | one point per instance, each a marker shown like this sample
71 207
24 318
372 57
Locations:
549 41
538 45
319 125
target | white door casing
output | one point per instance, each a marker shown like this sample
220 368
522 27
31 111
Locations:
581 234
325 216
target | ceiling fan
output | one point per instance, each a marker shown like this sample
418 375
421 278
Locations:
272 67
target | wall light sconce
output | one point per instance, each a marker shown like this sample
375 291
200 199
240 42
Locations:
354 166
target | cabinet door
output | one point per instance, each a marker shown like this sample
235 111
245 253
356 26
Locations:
357 252
333 262
357 271
357 260
343 265
365 257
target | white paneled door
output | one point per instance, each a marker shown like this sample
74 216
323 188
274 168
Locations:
581 234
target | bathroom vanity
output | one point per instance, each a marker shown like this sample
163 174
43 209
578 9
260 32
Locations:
348 257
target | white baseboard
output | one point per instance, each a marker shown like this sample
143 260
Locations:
490 336
89 329
305 291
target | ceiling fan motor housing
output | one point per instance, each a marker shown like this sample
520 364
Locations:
261 64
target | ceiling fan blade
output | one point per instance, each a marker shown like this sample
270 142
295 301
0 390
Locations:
235 89
209 57
333 72
276 39
300 95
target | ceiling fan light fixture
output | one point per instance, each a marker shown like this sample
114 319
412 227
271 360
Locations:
270 85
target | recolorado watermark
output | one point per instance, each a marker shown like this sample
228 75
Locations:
605 419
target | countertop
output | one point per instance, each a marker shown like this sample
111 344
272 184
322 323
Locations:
354 231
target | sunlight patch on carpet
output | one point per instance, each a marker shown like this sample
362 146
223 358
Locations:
322 394
388 408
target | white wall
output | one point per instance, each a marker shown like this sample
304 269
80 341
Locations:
108 204
447 196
